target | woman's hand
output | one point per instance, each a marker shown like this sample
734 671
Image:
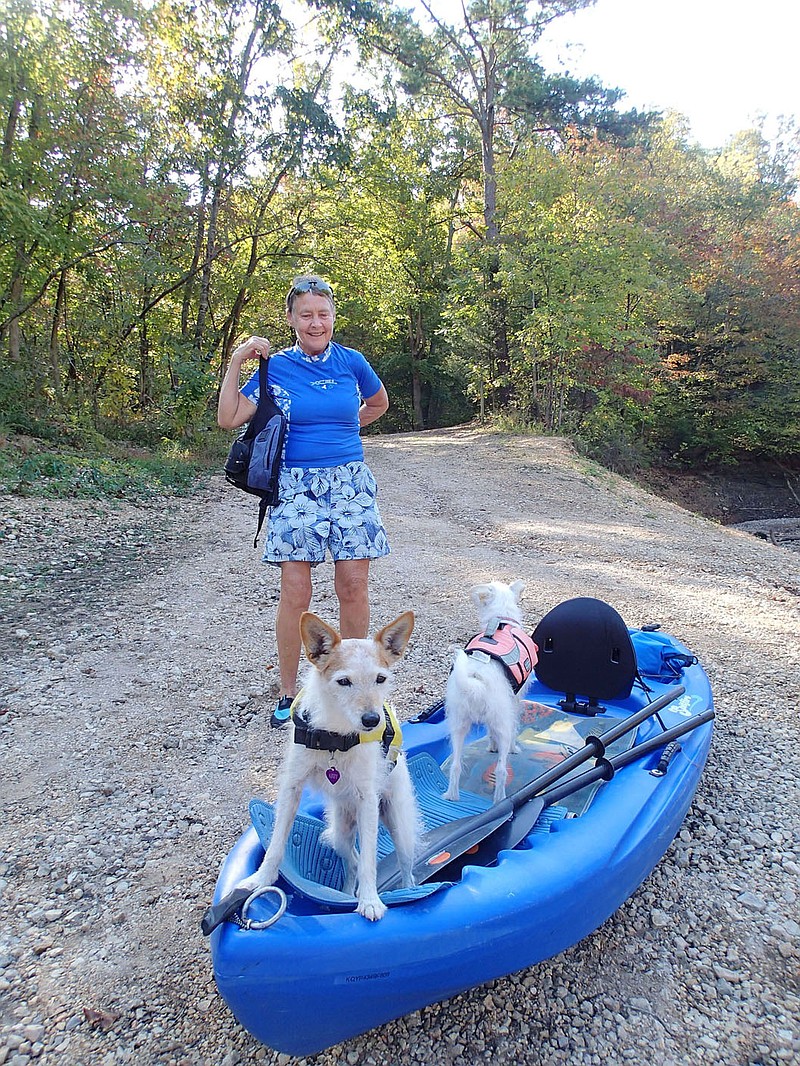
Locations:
252 348
234 409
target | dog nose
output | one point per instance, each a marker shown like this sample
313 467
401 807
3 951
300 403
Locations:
370 719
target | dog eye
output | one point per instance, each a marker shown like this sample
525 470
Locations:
380 678
345 682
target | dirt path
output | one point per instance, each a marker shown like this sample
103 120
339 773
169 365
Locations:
138 677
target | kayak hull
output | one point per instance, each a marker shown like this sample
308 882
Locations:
319 976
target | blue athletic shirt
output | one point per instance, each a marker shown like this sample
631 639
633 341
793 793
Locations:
320 398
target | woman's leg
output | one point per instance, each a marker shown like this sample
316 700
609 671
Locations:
295 598
351 583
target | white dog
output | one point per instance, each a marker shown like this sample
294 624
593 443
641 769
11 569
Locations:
346 744
485 678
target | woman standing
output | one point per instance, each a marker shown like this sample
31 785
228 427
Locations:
327 492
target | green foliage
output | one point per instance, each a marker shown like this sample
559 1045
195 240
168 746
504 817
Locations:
609 436
168 166
62 475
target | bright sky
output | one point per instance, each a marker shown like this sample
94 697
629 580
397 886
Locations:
721 63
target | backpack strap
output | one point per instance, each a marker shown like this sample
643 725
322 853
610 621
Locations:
263 507
257 423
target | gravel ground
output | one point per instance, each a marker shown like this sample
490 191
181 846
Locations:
138 676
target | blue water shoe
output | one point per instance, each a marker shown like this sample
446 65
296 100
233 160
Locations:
282 712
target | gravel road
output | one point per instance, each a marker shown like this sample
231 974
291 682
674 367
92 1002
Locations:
138 674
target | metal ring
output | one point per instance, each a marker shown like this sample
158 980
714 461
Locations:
248 922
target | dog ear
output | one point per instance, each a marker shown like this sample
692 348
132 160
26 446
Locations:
517 587
480 594
394 637
319 639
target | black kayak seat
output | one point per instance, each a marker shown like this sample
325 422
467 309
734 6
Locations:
585 649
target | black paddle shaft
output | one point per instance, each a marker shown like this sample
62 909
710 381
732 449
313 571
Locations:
594 748
606 768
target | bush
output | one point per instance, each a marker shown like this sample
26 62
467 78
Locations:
27 468
606 437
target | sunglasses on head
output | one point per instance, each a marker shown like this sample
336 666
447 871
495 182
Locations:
311 285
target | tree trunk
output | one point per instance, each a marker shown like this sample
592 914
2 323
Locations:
59 316
200 232
17 287
416 336
205 273
145 361
496 301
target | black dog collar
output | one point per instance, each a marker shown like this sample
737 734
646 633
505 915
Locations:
321 739
388 733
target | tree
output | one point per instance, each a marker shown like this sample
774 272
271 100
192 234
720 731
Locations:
385 233
486 71
580 278
65 180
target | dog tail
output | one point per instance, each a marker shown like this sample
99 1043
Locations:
468 673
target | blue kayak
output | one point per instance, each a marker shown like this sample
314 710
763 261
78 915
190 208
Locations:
318 973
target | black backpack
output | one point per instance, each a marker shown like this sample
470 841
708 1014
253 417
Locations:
254 461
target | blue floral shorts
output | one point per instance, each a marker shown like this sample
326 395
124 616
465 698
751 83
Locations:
326 509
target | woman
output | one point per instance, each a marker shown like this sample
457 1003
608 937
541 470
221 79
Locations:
327 492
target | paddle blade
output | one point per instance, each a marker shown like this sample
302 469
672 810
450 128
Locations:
441 845
514 831
504 838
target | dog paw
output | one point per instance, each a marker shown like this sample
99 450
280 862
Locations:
260 879
373 909
452 794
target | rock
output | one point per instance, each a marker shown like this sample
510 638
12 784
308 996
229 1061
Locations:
751 901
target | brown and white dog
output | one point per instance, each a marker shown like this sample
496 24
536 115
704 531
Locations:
346 744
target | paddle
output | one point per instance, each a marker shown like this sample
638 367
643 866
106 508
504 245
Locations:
446 842
515 830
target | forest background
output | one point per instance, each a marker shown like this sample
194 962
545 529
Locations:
502 241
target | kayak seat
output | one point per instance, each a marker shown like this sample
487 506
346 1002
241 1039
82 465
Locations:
585 649
430 784
314 870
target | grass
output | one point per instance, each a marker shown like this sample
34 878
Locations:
111 470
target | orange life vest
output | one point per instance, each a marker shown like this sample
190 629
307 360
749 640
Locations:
506 641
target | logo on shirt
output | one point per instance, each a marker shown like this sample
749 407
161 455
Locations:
324 383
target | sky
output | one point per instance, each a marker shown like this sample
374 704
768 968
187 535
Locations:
721 63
